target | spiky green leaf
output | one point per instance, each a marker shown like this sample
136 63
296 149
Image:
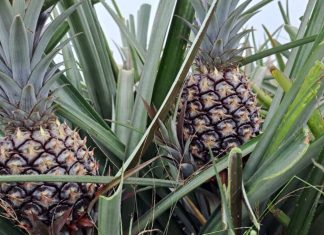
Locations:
19 51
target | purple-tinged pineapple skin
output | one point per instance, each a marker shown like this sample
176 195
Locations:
221 111
56 150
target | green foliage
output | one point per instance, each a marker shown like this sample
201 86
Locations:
109 219
175 48
112 104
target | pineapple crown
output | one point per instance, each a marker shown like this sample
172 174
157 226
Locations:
27 71
170 140
221 45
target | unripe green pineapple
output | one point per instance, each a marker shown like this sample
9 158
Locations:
220 108
35 142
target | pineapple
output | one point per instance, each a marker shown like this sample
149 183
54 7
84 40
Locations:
220 108
34 141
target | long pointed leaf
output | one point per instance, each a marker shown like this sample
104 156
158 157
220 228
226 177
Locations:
277 49
124 103
109 218
8 84
93 54
148 77
6 17
38 74
142 24
130 38
19 51
30 19
176 45
49 33
28 98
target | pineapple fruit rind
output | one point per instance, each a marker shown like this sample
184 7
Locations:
56 150
35 142
220 108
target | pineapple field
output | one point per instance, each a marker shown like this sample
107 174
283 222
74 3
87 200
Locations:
189 125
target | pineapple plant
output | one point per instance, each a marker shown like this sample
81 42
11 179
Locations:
220 108
169 193
34 141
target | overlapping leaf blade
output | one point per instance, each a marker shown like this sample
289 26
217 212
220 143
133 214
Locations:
175 48
149 73
124 104
109 220
90 48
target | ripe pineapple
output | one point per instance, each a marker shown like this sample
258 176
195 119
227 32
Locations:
220 108
35 142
